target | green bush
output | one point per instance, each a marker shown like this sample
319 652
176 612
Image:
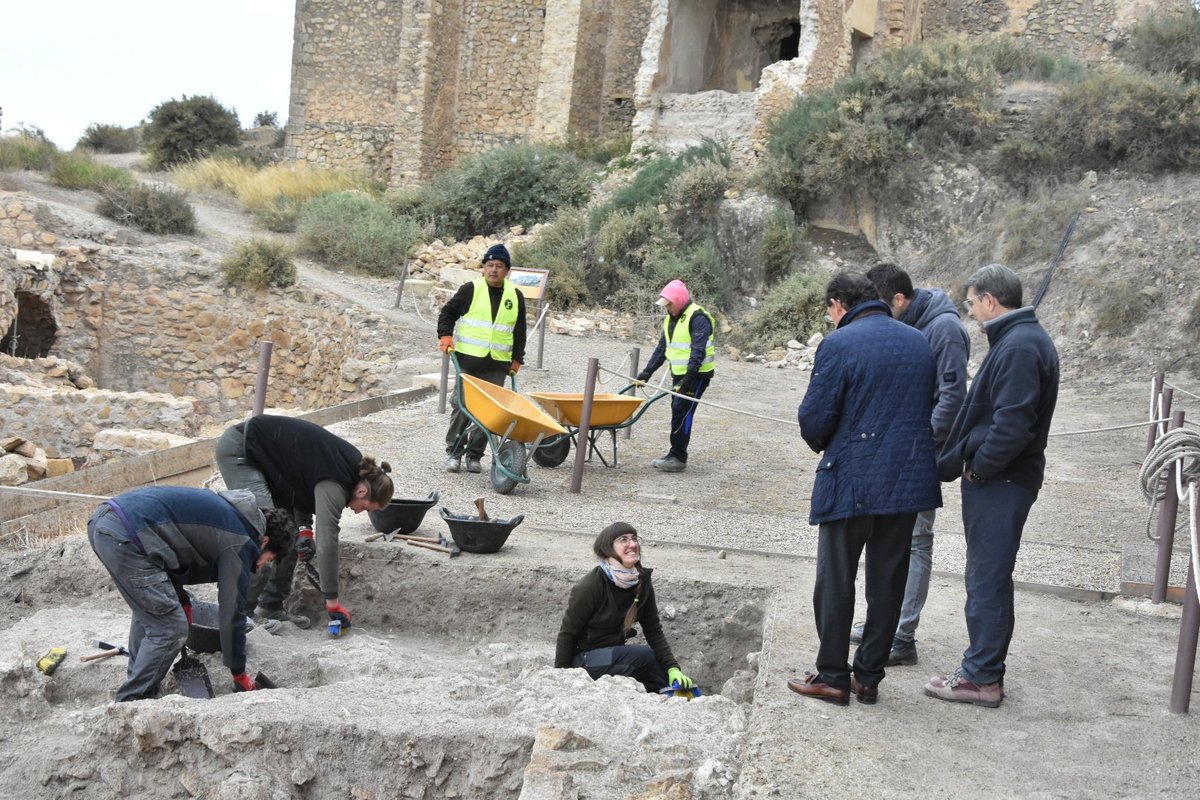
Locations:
698 265
649 186
152 210
351 229
622 246
266 119
181 130
1142 123
693 195
514 185
109 139
281 214
565 249
597 151
1034 228
794 309
24 151
1166 43
260 263
1016 59
79 171
783 242
1124 305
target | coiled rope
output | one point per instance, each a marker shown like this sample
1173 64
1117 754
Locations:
1177 445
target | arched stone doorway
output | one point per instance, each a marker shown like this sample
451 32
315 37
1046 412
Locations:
33 332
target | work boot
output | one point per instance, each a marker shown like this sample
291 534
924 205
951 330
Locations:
669 463
280 615
473 464
271 626
453 463
904 654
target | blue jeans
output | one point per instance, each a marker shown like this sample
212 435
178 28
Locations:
158 629
920 566
635 661
994 516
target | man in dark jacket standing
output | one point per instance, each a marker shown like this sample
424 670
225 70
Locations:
490 343
158 539
998 446
935 315
867 410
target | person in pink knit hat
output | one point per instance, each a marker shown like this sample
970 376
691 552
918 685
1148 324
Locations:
687 346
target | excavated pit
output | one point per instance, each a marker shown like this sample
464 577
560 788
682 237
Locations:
442 689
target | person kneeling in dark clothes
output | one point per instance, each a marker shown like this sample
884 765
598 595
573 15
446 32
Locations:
604 607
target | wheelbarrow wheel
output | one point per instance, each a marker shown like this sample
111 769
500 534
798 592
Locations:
512 457
553 453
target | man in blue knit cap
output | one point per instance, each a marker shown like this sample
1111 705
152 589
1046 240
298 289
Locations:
490 343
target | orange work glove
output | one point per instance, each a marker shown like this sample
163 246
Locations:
514 368
445 343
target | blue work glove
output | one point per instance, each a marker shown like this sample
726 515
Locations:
306 544
685 385
678 679
643 376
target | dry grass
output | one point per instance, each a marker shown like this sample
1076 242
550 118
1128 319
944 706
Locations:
262 189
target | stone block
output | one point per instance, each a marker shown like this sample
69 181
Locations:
136 442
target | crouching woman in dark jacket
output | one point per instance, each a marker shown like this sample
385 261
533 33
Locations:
604 607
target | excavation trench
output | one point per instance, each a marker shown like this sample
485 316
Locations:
443 689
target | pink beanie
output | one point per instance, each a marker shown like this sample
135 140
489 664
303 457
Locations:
676 292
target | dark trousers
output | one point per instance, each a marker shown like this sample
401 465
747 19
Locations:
887 539
682 412
472 444
635 661
994 516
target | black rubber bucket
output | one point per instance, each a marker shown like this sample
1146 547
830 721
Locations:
403 515
472 535
204 635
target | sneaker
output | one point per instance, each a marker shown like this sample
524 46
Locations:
453 463
856 632
473 464
904 654
669 463
279 615
957 689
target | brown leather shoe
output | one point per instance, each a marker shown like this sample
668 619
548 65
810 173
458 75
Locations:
864 694
809 686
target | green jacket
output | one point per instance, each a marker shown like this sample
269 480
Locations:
595 616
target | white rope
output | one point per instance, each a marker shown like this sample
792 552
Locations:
1182 390
788 422
1195 527
29 490
1177 447
618 373
1111 428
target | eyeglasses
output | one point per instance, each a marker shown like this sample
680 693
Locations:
970 301
628 538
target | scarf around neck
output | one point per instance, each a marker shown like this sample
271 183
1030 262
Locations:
616 572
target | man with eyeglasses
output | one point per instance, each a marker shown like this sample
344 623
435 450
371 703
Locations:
997 445
867 411
935 315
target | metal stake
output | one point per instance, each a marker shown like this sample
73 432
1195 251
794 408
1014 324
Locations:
264 371
585 425
1168 510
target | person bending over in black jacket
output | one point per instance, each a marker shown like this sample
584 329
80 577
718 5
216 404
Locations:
604 607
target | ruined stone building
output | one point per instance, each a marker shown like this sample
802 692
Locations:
402 88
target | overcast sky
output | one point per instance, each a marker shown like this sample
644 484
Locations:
65 64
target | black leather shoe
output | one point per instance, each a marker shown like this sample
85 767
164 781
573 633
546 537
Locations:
809 686
864 694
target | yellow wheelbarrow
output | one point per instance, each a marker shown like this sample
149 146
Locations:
514 425
610 412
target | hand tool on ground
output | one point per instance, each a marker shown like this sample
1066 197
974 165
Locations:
109 651
435 547
192 677
387 537
49 662
261 681
483 517
453 545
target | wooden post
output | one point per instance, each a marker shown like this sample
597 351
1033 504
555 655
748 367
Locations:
1168 511
1156 387
264 372
585 425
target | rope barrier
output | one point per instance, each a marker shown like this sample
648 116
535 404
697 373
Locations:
1181 390
28 490
1177 445
790 422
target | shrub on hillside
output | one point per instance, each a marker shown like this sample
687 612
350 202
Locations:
514 185
80 171
24 151
649 185
1123 306
109 139
152 210
181 130
350 229
622 245
698 265
1166 43
794 309
693 195
260 263
783 243
266 119
598 151
1142 123
565 249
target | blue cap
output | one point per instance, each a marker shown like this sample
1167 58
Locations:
498 252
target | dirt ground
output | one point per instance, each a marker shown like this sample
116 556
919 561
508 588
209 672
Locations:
443 689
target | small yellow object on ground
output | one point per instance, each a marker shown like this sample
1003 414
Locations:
49 662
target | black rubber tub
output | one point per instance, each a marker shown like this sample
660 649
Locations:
472 535
402 515
204 636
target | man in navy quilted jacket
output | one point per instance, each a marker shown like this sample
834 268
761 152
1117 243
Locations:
867 411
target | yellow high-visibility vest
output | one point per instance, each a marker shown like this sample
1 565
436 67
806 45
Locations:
478 335
679 343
